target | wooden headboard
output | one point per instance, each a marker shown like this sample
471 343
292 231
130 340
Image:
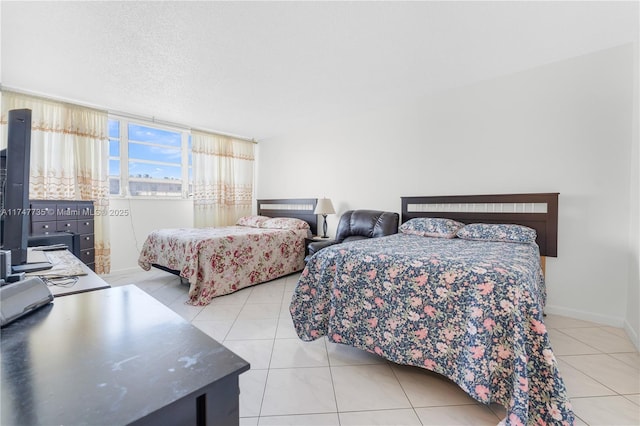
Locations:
537 211
300 208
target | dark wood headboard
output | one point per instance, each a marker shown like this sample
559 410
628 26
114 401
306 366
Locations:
300 208
537 211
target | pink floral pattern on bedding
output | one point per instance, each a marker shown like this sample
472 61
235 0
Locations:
253 221
284 223
469 310
219 261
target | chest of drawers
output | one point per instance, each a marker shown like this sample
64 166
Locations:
76 217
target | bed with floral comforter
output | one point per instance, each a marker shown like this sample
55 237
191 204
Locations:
469 310
219 261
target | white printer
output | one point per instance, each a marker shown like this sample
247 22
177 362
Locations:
21 298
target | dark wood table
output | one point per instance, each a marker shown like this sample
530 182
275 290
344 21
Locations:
113 357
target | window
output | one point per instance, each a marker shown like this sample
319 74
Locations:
114 157
148 160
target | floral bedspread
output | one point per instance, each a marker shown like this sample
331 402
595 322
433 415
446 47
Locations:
469 310
218 261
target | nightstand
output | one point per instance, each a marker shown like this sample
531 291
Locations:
310 240
314 239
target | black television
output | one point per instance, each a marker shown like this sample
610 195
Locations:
15 185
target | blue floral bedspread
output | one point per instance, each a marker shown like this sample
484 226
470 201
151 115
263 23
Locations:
469 310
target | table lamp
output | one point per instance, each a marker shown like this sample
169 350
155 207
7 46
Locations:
324 207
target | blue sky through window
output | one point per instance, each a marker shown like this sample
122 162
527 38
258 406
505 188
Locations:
114 148
139 133
114 129
171 152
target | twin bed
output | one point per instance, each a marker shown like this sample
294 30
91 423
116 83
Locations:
219 261
463 301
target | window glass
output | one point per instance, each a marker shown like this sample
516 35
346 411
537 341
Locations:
147 187
152 161
155 153
114 157
139 133
114 168
144 170
114 128
114 148
114 185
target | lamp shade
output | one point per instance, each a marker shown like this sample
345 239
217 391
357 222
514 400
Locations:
324 206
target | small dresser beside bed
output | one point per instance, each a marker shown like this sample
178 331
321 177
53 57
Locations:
459 291
219 261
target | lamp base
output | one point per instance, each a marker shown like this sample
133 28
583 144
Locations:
324 226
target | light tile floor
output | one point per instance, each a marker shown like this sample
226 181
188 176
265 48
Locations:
322 383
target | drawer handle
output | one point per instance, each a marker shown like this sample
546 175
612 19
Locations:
88 253
86 223
46 226
67 225
87 238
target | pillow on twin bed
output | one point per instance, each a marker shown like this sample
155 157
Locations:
505 233
284 223
431 227
252 221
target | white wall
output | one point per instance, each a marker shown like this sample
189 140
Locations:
565 127
632 323
129 232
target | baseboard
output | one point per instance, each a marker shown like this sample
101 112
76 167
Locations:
633 335
599 319
585 316
122 271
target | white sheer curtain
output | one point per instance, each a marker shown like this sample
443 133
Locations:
222 179
69 159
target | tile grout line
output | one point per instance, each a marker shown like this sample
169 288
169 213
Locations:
592 378
413 408
576 339
264 390
602 328
333 385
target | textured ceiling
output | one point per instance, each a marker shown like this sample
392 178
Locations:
261 69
